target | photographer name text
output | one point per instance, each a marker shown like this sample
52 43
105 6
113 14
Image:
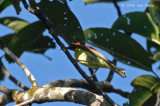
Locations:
136 5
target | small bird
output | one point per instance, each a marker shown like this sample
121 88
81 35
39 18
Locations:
91 58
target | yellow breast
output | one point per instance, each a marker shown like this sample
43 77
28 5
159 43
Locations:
86 58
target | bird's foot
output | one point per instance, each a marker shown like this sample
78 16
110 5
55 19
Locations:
89 77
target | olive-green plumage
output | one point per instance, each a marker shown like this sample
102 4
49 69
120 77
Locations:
89 60
93 59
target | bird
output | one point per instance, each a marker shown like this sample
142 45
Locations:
92 58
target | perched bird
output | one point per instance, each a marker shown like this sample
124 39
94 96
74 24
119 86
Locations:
93 59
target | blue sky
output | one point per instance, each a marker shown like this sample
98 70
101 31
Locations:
44 70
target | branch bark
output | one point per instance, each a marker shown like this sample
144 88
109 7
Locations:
80 83
60 91
5 99
45 94
4 90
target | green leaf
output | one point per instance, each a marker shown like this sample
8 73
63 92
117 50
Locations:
29 38
142 97
154 10
146 81
122 47
65 23
41 45
14 23
99 1
145 90
140 23
126 104
4 4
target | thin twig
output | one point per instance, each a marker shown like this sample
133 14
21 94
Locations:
117 7
53 33
158 99
13 79
16 59
4 90
155 74
110 76
94 76
111 73
120 92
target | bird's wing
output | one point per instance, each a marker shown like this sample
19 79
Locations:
97 53
120 71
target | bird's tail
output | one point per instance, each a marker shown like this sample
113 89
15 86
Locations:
119 71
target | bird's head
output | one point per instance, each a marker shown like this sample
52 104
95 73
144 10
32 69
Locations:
73 46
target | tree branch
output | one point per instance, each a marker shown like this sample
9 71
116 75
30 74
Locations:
60 91
65 94
5 99
4 89
52 31
13 79
79 83
45 94
16 59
